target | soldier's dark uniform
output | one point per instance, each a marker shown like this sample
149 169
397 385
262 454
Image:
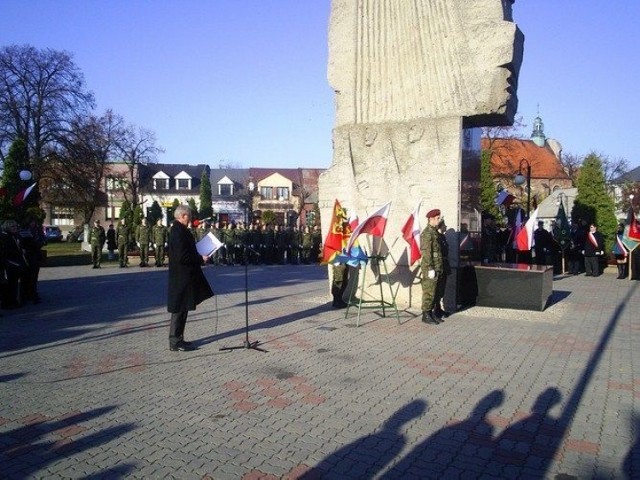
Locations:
306 246
256 244
160 238
122 237
294 245
432 261
269 237
281 245
143 238
316 244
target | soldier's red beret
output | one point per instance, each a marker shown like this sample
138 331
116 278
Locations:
433 213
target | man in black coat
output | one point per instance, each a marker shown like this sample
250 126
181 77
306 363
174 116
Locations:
593 251
187 284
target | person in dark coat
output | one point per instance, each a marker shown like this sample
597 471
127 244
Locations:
593 251
188 286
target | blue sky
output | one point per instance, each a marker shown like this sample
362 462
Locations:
244 81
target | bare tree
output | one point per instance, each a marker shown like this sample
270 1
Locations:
502 152
571 165
136 147
73 176
41 93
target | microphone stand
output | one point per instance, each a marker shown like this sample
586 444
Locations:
247 345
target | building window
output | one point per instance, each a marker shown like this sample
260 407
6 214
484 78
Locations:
115 184
161 184
225 189
266 193
183 184
62 216
283 193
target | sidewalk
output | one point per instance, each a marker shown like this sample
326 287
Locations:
89 388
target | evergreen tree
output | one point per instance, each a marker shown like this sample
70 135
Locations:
487 187
126 213
136 216
593 203
16 160
155 212
206 209
192 205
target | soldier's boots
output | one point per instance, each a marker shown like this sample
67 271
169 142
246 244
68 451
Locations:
430 318
337 299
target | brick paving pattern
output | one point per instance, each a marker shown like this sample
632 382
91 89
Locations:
89 388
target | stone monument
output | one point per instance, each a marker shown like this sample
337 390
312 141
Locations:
412 78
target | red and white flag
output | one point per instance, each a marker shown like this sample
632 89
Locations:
411 233
524 238
22 196
374 225
517 226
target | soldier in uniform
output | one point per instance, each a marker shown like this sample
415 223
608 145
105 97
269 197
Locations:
230 244
432 267
306 245
281 245
122 237
97 237
316 244
160 238
143 238
256 244
269 244
294 245
215 230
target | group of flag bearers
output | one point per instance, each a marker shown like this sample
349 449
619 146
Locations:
341 248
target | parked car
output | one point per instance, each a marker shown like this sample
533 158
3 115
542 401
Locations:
52 233
77 235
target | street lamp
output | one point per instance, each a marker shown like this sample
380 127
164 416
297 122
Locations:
248 203
520 179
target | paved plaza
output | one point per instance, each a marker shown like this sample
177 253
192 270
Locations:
89 388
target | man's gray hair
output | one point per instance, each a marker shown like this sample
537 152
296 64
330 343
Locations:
181 210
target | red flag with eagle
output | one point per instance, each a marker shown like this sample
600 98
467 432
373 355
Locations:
333 243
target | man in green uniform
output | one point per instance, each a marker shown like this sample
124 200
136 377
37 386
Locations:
306 245
316 244
159 241
431 266
97 237
143 238
122 237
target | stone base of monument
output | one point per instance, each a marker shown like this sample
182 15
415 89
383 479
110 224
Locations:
514 285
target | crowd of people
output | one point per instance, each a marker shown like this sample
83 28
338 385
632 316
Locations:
264 244
20 260
583 253
253 243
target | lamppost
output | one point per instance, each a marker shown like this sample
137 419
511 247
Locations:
248 202
520 180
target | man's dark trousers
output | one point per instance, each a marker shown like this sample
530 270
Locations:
176 330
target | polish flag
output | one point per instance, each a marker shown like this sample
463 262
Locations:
22 196
411 233
374 225
524 238
517 226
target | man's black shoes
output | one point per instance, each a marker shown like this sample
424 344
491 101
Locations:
182 347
